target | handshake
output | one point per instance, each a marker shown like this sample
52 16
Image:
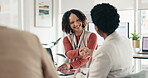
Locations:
85 52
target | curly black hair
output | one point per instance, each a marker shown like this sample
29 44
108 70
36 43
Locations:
105 17
65 20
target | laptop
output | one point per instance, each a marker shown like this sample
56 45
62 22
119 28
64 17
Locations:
144 45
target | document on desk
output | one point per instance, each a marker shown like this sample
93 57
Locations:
71 76
66 73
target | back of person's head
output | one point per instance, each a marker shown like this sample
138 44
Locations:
65 20
105 17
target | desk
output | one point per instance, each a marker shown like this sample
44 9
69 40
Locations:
140 56
72 76
137 60
70 72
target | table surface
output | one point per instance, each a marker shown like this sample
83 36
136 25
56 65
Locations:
140 56
72 76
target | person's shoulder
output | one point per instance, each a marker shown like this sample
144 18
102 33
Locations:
26 32
19 32
106 47
100 51
68 36
65 38
93 34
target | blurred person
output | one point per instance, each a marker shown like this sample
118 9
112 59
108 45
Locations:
74 23
114 57
22 56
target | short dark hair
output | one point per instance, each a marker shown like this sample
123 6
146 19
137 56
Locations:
105 17
66 23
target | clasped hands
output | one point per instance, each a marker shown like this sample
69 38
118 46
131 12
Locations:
85 52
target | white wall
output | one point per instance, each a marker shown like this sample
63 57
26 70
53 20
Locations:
9 13
19 14
143 4
119 4
46 35
83 5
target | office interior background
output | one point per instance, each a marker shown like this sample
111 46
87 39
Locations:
22 15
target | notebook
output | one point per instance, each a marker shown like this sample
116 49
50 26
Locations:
144 45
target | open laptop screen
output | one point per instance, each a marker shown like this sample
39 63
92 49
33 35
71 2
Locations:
145 44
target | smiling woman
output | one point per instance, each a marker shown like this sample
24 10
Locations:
43 13
74 23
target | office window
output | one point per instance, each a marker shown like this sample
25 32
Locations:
9 13
123 29
144 32
91 27
127 16
144 22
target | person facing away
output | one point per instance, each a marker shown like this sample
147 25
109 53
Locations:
22 56
114 57
74 23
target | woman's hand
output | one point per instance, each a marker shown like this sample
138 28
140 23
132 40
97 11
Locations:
65 66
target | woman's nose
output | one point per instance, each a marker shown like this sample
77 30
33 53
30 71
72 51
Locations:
76 23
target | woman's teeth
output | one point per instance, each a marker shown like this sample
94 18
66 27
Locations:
76 26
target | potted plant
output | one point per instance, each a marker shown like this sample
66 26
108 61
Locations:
56 42
53 44
136 41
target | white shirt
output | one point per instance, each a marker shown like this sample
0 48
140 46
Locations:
113 59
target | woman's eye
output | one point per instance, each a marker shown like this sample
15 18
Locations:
71 22
78 20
